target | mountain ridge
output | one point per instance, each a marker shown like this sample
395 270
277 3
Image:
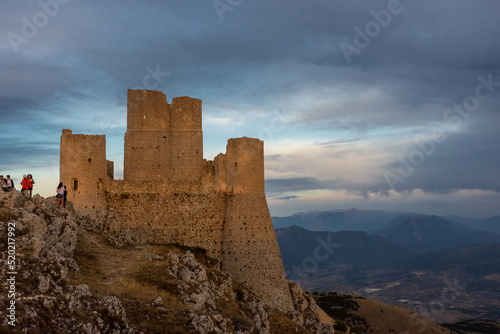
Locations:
369 220
336 220
427 233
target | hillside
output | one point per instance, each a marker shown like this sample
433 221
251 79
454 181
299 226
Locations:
490 224
446 286
357 249
71 276
475 327
422 233
369 220
367 316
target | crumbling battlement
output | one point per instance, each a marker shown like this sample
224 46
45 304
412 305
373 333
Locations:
170 194
163 141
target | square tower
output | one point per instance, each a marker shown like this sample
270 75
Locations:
163 141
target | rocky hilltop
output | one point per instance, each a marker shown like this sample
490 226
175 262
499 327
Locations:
65 273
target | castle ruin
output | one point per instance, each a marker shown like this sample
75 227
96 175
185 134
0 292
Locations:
170 194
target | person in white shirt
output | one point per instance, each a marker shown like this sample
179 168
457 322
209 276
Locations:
9 182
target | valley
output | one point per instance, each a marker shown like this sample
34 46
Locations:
442 270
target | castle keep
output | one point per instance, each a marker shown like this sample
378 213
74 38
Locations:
170 194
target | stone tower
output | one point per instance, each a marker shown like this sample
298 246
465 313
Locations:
170 194
84 169
163 141
249 249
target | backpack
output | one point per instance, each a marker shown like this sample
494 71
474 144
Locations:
12 182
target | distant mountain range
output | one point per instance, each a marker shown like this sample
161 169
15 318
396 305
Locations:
368 220
354 248
422 233
474 260
402 246
413 260
491 224
337 220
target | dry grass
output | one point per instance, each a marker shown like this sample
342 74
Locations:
133 289
385 318
281 324
370 316
136 280
127 274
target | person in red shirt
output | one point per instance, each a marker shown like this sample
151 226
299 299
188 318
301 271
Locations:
31 183
25 184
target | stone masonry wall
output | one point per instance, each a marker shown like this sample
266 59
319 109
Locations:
171 195
163 141
164 212
249 247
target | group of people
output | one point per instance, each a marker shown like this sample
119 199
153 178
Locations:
7 184
26 184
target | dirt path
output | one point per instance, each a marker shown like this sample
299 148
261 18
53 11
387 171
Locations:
102 264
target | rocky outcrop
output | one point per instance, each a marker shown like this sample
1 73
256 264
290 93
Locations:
47 299
45 238
307 313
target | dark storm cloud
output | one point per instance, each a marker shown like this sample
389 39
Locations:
286 198
298 184
427 57
18 154
190 42
464 161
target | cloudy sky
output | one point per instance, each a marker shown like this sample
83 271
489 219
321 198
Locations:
390 105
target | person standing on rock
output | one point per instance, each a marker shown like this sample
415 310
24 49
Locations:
32 182
60 195
25 185
65 196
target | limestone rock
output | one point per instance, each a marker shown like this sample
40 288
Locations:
316 320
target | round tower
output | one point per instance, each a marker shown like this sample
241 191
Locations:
249 249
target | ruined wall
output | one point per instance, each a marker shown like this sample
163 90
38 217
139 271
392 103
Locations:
226 213
166 212
163 141
84 169
249 247
110 169
186 145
